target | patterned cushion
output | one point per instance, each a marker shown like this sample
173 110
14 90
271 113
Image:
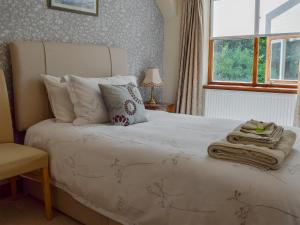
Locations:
124 103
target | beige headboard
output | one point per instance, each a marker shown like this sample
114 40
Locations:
31 59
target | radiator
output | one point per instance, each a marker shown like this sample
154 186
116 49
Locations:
244 105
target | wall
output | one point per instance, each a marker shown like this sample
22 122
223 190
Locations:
136 25
171 10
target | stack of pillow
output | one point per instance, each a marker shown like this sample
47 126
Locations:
82 101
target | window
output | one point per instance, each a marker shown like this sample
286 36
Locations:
255 43
228 12
284 59
233 60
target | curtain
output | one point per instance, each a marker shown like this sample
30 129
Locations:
192 57
297 110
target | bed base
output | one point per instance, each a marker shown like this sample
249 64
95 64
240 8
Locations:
63 202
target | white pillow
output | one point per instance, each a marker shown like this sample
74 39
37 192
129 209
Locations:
85 95
59 99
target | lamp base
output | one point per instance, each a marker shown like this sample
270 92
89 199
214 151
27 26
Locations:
152 101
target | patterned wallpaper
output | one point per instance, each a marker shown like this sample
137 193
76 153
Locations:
135 25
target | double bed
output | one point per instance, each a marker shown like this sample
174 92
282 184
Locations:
153 173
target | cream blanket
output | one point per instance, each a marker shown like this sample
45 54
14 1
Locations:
159 173
239 137
252 154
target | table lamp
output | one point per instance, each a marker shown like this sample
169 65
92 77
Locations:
152 79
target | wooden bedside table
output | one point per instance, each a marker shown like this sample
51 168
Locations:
167 107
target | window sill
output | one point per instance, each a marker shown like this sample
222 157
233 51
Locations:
250 88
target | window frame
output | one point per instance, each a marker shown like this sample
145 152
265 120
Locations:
268 60
281 86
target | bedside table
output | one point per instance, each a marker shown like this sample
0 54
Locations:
167 107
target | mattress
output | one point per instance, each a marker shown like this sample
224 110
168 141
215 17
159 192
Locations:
159 173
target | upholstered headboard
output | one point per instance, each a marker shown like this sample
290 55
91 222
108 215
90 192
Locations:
31 59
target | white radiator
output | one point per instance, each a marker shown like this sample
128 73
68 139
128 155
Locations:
245 105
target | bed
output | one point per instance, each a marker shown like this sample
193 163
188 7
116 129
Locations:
154 173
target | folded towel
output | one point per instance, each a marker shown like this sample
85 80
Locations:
252 154
259 128
239 137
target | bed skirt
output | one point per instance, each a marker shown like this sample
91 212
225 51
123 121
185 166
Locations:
64 202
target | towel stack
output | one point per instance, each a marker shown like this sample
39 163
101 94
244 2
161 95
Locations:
257 133
255 143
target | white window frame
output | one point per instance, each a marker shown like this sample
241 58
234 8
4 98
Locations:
256 25
283 43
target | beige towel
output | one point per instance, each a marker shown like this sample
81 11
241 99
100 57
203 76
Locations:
239 137
252 154
259 128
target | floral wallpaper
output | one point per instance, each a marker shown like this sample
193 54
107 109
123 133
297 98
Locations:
135 25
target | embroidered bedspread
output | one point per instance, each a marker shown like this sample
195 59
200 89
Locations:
159 173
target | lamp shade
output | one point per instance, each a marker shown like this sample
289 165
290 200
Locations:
152 78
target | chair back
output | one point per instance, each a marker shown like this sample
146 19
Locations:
6 130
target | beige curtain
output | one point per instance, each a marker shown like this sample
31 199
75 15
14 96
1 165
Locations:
189 97
297 110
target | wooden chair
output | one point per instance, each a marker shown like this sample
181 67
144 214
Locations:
19 159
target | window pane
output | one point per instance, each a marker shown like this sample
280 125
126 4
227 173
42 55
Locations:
262 60
292 59
279 16
275 60
285 57
233 60
233 17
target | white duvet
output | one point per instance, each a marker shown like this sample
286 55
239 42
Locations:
159 173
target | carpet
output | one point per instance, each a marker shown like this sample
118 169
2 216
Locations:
28 211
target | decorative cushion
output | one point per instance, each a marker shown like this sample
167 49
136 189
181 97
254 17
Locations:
59 99
89 107
124 103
